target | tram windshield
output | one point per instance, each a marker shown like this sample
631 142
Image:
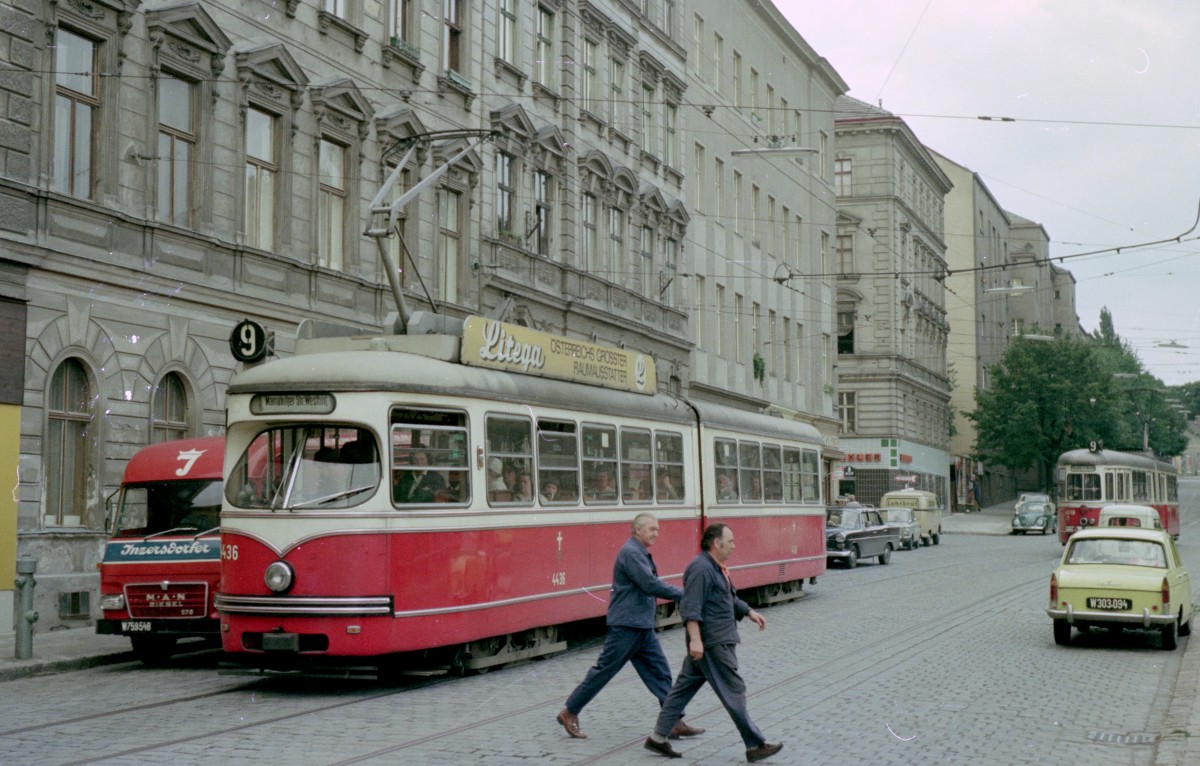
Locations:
305 467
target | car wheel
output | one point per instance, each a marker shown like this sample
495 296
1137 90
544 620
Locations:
886 556
937 538
1062 632
1185 629
852 559
154 651
1170 636
926 541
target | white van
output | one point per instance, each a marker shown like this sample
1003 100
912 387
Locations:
925 507
1129 516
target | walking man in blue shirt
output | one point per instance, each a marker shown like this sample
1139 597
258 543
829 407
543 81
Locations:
631 636
710 609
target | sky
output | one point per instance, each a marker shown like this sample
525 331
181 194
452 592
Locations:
1103 149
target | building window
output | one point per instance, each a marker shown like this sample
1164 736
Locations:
331 216
176 147
169 410
719 336
616 71
449 242
718 190
646 266
737 202
452 31
670 290
698 171
671 127
848 411
845 253
76 102
737 80
505 193
69 420
717 66
543 210
588 239
738 308
261 169
508 31
397 245
842 176
755 213
543 64
648 119
698 45
700 315
336 7
845 322
616 239
590 86
400 23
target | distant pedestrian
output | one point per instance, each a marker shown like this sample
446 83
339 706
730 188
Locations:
710 609
631 636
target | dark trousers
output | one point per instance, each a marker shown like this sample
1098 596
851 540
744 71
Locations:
637 645
718 667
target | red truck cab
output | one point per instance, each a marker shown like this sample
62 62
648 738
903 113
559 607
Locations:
162 561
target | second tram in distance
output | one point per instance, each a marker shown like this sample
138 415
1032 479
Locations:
1089 479
436 499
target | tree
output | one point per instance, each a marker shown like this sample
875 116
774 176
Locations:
1045 399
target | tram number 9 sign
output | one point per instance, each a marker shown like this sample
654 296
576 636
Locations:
248 341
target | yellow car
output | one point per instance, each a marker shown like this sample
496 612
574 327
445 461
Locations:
1121 577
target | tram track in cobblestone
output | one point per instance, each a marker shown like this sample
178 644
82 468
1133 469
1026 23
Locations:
831 677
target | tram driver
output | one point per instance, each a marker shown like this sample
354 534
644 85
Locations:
416 483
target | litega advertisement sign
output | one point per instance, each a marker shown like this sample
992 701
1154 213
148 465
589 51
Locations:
488 343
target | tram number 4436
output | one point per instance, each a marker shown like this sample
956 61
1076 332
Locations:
558 578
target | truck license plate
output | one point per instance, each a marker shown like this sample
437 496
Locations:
135 626
1109 604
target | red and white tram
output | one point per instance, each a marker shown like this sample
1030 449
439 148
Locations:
1089 479
437 495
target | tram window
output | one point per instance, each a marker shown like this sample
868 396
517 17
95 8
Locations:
637 484
725 469
599 464
1141 486
320 467
792 492
750 471
772 473
668 466
510 440
811 476
1083 486
1110 487
1172 489
558 462
430 454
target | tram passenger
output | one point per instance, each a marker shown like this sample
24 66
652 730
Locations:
550 491
666 488
631 636
418 484
602 487
726 491
524 490
510 476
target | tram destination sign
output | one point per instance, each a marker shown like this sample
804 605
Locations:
513 348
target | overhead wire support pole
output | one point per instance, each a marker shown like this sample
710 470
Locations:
391 211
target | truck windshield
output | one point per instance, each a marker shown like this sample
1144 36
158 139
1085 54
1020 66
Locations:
163 506
305 466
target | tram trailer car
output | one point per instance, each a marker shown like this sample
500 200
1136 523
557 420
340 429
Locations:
161 563
390 500
1093 478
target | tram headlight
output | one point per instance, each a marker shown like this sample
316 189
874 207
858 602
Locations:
279 577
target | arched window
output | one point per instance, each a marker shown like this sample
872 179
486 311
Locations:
169 411
69 419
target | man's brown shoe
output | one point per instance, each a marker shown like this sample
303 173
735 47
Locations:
662 748
763 751
570 722
681 729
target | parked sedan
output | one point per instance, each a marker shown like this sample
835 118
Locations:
1121 577
1033 516
854 531
906 525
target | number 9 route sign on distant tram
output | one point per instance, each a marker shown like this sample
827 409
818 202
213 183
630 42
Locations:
248 341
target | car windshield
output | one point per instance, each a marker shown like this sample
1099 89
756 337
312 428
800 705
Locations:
1034 508
1140 553
841 517
897 514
